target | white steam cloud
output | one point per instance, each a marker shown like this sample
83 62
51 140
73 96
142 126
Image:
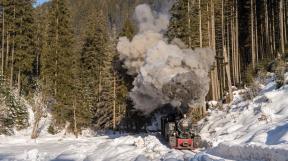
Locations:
165 73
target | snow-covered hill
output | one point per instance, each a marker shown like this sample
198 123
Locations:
251 130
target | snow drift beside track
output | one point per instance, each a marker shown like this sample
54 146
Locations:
252 129
249 152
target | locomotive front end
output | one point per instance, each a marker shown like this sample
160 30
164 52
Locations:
179 132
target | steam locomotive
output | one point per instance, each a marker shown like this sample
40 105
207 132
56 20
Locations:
180 133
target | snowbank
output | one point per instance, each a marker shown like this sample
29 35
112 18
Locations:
252 129
250 152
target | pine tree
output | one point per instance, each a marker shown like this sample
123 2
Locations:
120 86
91 63
96 72
24 37
41 34
13 113
184 23
57 60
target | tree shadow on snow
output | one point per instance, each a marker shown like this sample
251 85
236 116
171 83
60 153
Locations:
64 157
276 134
5 157
62 160
59 159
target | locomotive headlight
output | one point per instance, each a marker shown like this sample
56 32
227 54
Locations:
185 124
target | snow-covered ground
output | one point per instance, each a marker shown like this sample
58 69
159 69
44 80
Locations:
101 148
251 130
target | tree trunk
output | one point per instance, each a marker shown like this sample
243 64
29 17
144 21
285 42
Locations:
213 38
227 65
238 65
13 52
256 37
7 51
35 133
262 48
223 42
56 41
38 113
75 119
273 31
99 85
3 39
12 64
228 43
19 82
282 27
189 23
200 25
212 85
114 101
38 54
285 22
208 28
252 36
233 56
213 26
268 44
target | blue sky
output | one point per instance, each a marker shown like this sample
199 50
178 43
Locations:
39 2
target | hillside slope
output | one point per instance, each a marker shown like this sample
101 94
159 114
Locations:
254 129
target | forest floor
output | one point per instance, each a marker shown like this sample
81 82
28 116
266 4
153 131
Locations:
252 129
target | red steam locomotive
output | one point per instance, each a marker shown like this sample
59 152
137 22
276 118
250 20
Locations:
180 133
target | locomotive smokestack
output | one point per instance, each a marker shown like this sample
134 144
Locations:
165 73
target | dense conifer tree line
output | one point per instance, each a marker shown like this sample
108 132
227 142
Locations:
242 33
66 51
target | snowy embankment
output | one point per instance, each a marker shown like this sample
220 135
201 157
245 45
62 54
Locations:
252 129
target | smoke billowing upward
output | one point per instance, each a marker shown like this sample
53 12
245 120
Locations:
165 73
